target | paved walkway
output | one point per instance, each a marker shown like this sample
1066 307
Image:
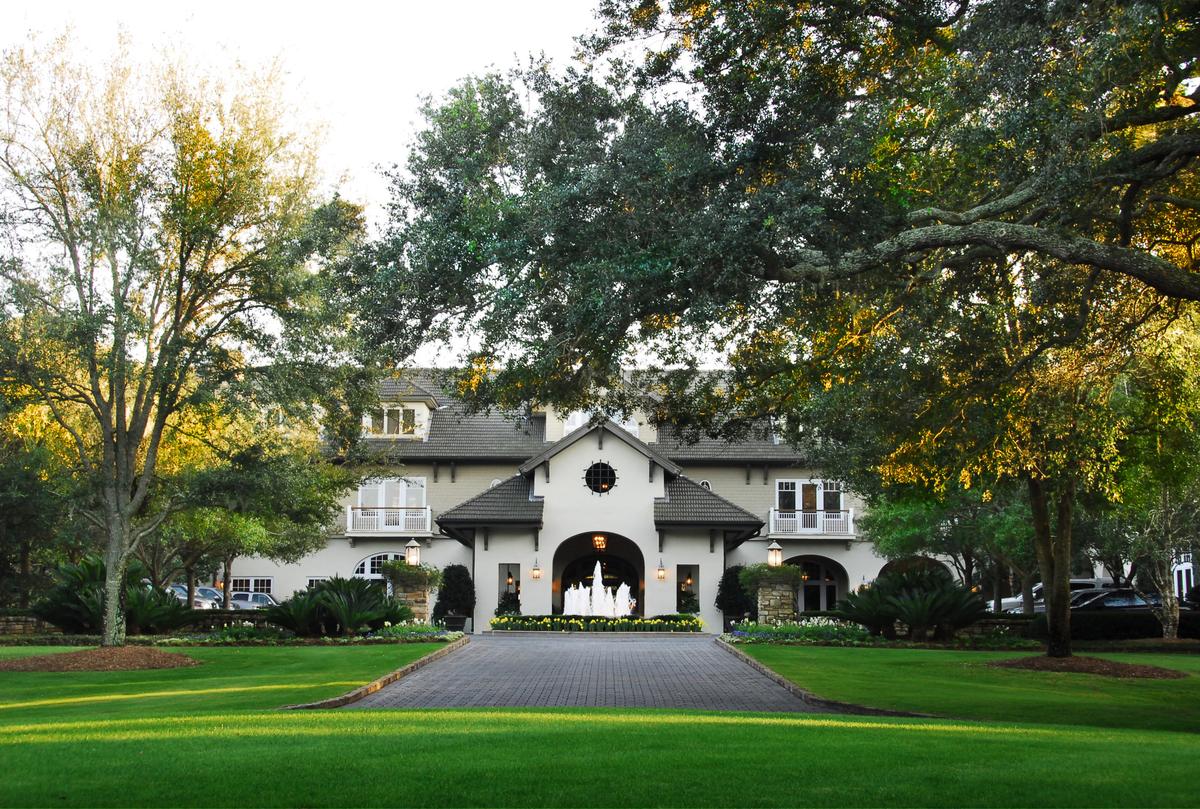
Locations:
588 671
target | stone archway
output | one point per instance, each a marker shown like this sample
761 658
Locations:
825 583
621 561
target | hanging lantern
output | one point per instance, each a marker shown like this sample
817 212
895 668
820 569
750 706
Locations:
412 553
599 542
774 554
661 573
535 572
509 580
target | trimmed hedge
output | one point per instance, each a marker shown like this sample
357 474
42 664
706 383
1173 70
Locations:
1118 625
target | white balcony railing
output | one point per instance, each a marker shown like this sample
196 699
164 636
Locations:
812 522
387 520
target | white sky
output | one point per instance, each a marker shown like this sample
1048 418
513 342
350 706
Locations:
360 67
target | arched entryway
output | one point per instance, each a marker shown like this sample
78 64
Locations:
824 583
621 562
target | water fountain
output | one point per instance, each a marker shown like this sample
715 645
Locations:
598 600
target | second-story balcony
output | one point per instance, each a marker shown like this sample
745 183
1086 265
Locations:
362 520
787 523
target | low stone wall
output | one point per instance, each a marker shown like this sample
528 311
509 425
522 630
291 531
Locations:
26 625
211 620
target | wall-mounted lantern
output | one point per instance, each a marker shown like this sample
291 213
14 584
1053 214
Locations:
535 572
661 573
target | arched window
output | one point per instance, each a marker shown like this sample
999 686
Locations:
372 566
704 484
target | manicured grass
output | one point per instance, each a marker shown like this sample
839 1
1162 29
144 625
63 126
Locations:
961 685
231 679
207 736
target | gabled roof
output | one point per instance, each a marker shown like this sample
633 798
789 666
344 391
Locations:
611 428
413 384
507 502
689 503
753 449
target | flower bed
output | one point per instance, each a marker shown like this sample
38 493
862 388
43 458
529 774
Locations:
807 630
596 623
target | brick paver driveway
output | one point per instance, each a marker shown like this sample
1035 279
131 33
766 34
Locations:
588 671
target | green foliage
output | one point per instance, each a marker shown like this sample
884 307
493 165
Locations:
754 577
508 604
923 600
688 603
829 631
732 598
76 602
456 595
339 606
404 576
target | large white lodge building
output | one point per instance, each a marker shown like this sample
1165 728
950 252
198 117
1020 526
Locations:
541 500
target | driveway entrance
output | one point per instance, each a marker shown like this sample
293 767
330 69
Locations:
613 671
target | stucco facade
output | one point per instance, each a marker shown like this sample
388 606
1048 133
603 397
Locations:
505 498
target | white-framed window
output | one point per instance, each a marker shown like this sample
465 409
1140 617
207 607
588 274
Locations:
250 584
808 495
315 580
397 420
392 493
372 566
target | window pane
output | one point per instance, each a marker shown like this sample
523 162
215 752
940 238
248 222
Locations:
832 500
414 494
377 421
786 495
409 421
393 422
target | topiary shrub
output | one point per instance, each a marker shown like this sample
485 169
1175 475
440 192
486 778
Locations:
732 598
457 594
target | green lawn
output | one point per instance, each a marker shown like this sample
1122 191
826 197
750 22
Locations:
208 736
961 685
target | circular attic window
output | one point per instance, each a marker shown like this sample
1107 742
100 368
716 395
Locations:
600 477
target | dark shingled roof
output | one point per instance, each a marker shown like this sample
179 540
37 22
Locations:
506 502
689 503
613 429
750 450
455 435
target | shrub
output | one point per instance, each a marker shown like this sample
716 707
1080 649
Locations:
688 603
456 595
300 614
76 601
404 576
809 630
872 607
753 577
509 604
597 623
732 598
923 600
339 606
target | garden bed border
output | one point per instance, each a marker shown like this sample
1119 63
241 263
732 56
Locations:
387 679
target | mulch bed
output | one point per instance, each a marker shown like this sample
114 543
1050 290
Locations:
116 658
1090 665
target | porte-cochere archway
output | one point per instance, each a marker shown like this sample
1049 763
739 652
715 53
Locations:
621 562
825 582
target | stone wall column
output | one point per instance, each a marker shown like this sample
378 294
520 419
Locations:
417 600
776 603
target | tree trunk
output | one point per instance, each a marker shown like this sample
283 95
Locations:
26 568
114 595
227 577
1027 592
1053 546
191 585
997 597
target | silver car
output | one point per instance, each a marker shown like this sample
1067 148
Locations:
199 600
252 601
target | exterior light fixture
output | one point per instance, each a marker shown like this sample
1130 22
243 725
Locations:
803 577
535 572
774 554
599 541
661 573
688 581
412 553
509 580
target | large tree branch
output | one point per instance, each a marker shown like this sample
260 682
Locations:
813 266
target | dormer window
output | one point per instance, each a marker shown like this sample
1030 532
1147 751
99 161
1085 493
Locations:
392 420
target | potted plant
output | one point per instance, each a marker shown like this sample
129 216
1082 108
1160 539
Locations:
456 598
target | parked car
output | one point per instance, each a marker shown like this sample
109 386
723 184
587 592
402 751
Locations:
252 601
1016 603
211 592
1119 599
200 601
